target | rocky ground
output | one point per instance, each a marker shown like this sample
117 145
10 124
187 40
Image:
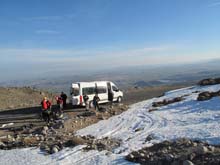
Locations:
181 151
59 133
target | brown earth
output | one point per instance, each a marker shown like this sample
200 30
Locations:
14 97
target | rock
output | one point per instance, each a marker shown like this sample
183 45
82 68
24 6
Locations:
138 129
41 138
87 114
149 138
44 132
54 149
211 148
209 81
130 157
192 156
108 153
77 140
102 109
101 117
45 128
51 139
153 109
187 162
207 95
45 148
142 154
194 144
200 149
178 152
166 102
2 145
9 136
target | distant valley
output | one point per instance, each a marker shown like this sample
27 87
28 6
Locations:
129 77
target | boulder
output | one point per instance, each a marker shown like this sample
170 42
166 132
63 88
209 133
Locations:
2 145
208 81
200 149
44 132
45 128
187 162
149 137
204 96
54 149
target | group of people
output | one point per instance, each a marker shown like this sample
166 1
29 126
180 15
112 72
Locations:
46 105
47 111
96 100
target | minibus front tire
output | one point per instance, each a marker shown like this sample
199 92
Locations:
119 99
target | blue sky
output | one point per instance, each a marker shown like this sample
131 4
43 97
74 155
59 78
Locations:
103 34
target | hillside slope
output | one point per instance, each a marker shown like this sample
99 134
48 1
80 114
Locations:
178 114
22 97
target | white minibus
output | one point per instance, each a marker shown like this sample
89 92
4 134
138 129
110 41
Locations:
102 88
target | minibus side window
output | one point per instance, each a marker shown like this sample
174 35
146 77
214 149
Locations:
101 89
88 90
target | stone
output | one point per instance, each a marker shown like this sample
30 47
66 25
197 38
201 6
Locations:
149 138
41 138
211 148
131 156
200 149
9 136
45 128
192 156
102 109
169 157
187 162
44 132
142 154
194 144
2 145
54 149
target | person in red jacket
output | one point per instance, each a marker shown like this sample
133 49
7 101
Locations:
46 109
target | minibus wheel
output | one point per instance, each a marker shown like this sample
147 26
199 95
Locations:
119 99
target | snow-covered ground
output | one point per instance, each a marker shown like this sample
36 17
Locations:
188 118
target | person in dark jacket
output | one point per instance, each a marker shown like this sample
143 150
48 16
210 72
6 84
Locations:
110 98
64 97
96 100
86 101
